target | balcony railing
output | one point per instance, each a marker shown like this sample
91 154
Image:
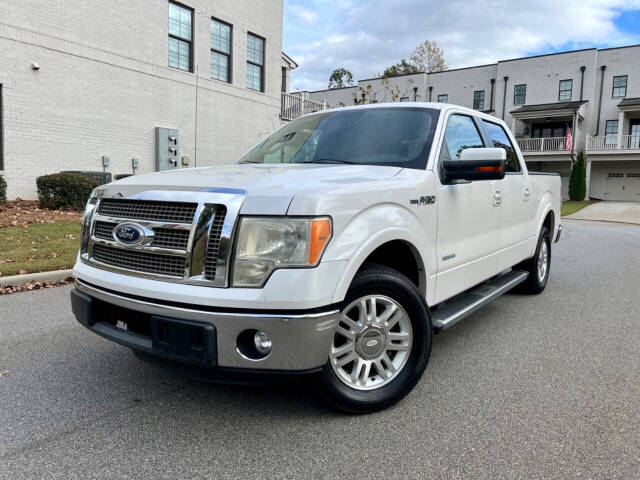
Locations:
550 144
294 106
610 142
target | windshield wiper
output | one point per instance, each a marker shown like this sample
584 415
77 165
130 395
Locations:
332 160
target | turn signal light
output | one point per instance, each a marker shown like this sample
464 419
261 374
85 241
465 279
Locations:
320 235
497 168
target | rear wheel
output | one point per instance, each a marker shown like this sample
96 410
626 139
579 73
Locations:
381 345
538 266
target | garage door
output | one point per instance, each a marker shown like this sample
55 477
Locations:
622 186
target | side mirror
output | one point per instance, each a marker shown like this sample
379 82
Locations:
476 164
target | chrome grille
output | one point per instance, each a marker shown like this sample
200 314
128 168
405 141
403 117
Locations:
178 212
104 230
192 234
170 238
140 261
213 245
162 237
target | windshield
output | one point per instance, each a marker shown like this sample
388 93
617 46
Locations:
369 136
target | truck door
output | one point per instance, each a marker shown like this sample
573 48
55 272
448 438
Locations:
517 214
468 216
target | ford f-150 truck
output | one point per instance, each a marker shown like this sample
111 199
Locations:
336 247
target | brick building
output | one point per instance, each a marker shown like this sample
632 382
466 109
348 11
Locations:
85 83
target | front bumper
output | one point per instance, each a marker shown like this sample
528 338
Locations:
301 341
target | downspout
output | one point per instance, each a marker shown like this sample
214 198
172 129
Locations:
430 92
602 69
582 69
415 94
504 96
493 83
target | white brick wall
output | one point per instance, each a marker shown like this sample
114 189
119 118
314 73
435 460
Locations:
104 85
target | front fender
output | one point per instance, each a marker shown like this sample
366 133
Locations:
372 228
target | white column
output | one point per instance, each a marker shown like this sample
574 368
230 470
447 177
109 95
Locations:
588 179
620 128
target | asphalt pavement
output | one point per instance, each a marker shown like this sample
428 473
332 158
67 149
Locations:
543 386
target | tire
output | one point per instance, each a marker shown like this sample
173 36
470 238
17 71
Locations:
536 282
404 338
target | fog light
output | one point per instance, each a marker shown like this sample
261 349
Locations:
262 342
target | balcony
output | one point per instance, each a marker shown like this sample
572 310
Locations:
543 145
294 106
613 143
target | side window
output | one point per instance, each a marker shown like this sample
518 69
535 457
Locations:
461 133
499 139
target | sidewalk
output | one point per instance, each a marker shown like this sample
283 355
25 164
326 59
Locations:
623 212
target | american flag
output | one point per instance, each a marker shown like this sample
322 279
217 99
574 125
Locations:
568 140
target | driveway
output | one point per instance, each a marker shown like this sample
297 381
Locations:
625 212
543 386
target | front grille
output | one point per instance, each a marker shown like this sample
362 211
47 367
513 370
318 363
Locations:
178 212
141 261
104 230
213 245
170 238
162 237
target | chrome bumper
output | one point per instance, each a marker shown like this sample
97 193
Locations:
301 342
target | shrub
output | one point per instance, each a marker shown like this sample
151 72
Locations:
578 179
66 191
3 191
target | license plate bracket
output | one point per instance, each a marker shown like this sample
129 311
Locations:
184 340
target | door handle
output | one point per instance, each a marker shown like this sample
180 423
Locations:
526 192
497 198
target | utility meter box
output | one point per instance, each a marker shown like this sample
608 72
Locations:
167 149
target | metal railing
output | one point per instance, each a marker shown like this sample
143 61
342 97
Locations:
610 142
550 144
294 106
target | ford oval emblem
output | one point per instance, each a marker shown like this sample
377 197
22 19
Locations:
128 234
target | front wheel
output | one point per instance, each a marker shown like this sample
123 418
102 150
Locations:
381 344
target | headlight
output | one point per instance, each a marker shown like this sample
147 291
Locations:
266 244
86 220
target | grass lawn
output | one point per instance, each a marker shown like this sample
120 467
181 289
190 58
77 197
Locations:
572 206
40 247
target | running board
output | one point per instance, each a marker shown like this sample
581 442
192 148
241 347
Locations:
468 302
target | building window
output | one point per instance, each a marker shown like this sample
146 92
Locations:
404 99
620 86
180 37
565 90
444 98
478 100
519 94
255 62
220 50
611 132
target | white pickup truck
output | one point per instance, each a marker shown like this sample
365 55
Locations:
336 247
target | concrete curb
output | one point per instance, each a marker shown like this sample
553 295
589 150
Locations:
15 280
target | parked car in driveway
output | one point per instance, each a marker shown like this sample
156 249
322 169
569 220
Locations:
336 247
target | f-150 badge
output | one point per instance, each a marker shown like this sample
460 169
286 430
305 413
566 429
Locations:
424 200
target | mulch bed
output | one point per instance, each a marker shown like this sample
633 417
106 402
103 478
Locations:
27 287
24 212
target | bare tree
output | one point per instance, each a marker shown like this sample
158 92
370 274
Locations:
340 77
428 57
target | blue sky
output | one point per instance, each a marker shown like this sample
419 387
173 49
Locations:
365 36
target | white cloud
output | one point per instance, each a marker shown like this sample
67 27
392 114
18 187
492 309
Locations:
303 14
366 37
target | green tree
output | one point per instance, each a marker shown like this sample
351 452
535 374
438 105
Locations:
428 57
578 179
341 77
401 68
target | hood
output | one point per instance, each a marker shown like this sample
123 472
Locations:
270 187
